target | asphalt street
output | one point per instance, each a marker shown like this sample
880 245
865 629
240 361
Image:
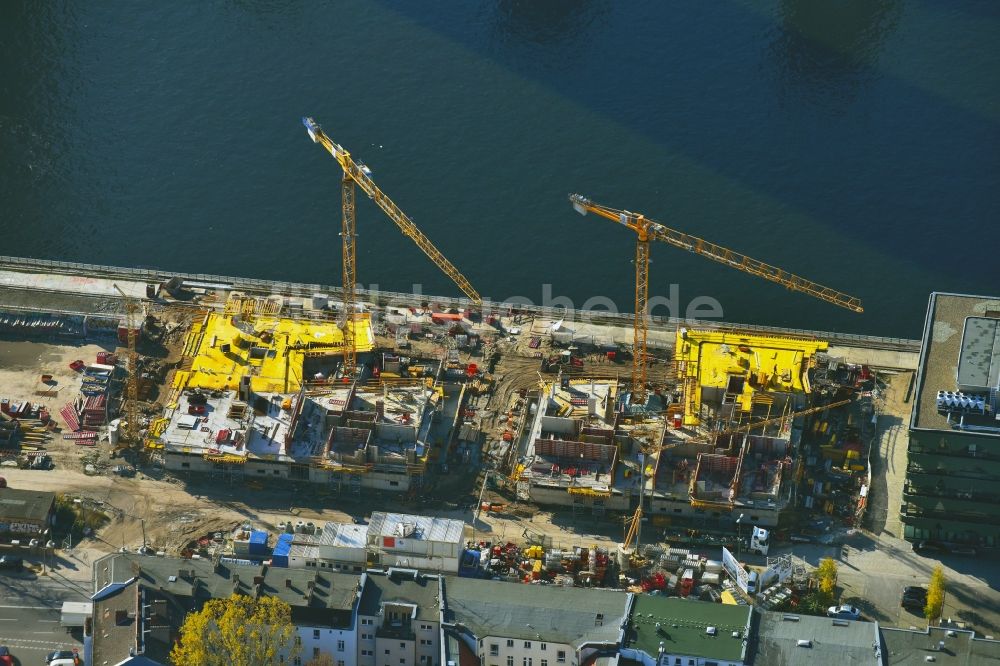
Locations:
31 632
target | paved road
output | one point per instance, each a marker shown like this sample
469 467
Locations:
872 573
33 631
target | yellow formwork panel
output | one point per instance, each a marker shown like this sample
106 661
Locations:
710 359
223 355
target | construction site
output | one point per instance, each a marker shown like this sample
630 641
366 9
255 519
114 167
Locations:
680 432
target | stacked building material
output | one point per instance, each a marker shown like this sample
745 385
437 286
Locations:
69 416
85 438
95 411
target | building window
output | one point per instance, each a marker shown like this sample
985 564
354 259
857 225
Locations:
526 661
340 662
402 645
367 653
316 634
297 661
388 651
298 639
677 661
561 656
510 642
690 662
527 645
544 646
187 465
262 471
510 661
340 646
545 662
366 620
494 650
277 471
315 652
394 483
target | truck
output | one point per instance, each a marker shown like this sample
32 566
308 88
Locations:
75 613
759 541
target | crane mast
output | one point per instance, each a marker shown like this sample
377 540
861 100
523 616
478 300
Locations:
358 175
647 230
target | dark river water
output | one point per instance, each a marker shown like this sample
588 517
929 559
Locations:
853 142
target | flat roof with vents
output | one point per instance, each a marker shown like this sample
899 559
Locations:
979 358
960 348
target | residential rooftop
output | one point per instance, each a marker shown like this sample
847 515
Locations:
951 351
684 627
401 586
905 647
570 615
788 639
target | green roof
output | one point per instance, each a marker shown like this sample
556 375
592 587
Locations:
684 627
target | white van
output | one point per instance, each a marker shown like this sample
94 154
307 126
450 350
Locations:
752 582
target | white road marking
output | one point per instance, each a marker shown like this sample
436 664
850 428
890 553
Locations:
51 608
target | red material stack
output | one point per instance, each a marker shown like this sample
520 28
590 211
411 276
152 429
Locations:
106 358
94 411
69 416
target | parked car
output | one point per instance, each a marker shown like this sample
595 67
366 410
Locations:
60 654
11 563
844 612
5 658
929 548
914 597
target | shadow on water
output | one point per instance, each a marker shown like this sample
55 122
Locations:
821 151
825 54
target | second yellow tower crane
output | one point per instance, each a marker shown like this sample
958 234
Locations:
647 230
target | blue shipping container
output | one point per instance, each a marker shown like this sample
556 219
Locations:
258 542
281 549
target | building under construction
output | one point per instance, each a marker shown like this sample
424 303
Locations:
725 443
261 397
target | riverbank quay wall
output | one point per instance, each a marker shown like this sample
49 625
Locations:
66 299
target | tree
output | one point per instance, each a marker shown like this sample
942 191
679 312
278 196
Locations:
237 630
826 574
935 595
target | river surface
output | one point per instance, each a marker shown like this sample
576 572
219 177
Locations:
852 142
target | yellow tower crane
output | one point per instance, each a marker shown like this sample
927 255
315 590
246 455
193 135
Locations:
360 175
130 407
647 230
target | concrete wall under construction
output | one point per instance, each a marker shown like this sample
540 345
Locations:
553 496
262 469
764 516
